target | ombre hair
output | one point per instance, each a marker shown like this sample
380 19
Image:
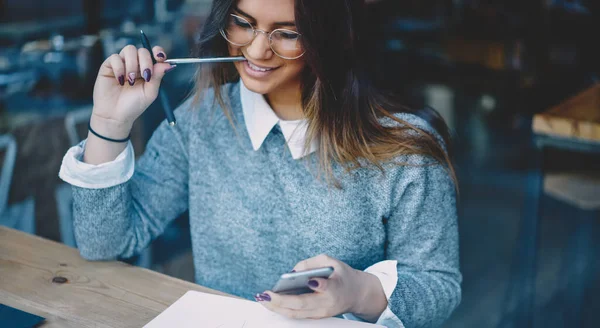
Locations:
340 103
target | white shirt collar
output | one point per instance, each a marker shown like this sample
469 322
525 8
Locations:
260 120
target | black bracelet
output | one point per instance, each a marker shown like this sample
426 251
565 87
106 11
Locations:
105 138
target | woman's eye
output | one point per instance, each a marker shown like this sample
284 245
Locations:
241 23
288 35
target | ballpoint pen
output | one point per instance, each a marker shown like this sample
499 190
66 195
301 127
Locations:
204 60
166 107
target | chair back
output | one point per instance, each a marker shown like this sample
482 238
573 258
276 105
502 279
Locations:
72 119
9 143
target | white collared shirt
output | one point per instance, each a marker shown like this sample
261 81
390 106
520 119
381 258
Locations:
260 120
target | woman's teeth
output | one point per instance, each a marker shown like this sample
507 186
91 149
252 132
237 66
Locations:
259 69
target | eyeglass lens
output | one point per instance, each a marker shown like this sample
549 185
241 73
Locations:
285 43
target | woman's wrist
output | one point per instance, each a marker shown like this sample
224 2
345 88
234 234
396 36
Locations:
109 127
98 150
371 300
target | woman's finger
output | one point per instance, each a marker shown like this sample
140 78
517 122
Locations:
318 261
130 55
159 54
296 302
146 66
320 285
115 62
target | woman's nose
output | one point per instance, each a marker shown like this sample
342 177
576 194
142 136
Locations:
260 48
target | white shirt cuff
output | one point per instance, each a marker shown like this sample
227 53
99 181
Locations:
78 173
387 273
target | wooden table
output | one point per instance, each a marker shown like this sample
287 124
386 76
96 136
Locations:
51 280
576 118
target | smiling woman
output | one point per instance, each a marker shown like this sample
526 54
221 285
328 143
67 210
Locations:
265 33
384 218
326 65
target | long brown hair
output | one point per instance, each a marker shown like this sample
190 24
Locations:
340 102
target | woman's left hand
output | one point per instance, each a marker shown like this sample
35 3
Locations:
346 291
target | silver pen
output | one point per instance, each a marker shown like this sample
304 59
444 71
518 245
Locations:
204 60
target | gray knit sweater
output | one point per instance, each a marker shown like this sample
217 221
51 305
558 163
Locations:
255 214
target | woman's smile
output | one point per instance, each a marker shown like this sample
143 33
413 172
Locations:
258 71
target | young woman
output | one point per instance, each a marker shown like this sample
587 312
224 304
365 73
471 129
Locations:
288 160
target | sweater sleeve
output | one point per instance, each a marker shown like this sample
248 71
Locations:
121 220
423 237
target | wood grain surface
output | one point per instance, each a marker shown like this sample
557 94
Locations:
577 117
51 280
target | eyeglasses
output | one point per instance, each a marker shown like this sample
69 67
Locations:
284 43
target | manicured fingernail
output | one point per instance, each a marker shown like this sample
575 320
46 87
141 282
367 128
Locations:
160 55
131 78
265 297
170 68
122 80
313 283
147 74
292 271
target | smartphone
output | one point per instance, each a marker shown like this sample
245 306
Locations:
295 283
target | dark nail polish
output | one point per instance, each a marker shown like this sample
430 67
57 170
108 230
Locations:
170 68
131 78
292 271
313 283
160 55
122 80
265 297
147 74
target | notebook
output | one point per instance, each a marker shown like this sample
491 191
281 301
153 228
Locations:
196 309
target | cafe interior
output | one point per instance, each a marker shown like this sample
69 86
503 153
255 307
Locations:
517 82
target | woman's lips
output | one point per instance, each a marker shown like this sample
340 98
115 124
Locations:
258 71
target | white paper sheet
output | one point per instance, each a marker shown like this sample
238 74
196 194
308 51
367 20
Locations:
195 309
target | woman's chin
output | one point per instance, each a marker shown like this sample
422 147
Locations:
259 87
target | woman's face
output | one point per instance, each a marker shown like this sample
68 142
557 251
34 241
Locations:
281 74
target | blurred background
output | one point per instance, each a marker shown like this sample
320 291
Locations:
515 80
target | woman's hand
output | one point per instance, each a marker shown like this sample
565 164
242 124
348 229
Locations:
346 291
127 84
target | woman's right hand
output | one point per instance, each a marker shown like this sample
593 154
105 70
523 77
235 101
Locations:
127 84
